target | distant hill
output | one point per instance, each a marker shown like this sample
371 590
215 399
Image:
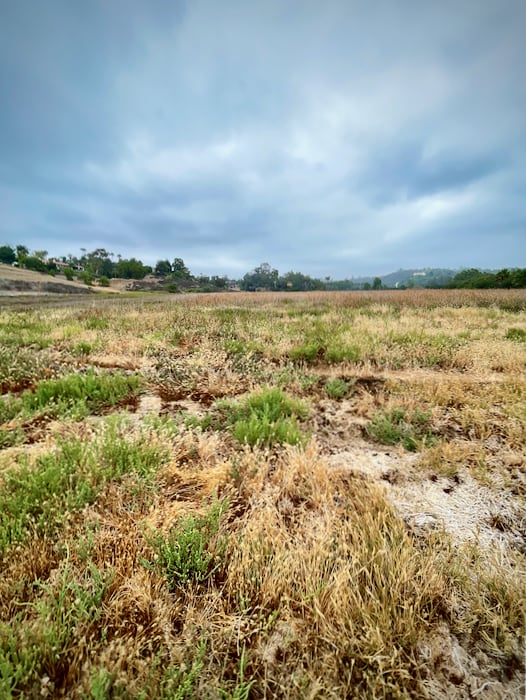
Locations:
417 277
421 277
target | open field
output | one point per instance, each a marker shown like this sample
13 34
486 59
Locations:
259 495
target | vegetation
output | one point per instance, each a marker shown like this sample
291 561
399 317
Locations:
264 495
100 265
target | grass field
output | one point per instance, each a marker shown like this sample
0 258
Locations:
264 496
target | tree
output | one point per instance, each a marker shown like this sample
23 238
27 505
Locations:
21 252
163 268
99 263
377 283
262 277
40 254
179 269
7 254
131 269
34 263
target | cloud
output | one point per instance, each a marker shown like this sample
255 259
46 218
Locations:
337 139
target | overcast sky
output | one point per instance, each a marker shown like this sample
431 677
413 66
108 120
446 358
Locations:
333 138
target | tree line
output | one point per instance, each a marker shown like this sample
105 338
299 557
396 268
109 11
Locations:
102 266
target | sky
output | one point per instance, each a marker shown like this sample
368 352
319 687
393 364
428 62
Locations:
337 138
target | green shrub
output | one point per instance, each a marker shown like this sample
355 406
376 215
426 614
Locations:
104 281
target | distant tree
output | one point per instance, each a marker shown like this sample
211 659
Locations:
31 262
179 270
298 282
21 252
163 268
131 269
86 276
7 254
518 278
218 282
98 262
40 254
262 277
377 283
68 273
366 286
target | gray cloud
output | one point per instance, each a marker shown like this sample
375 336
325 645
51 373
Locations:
340 139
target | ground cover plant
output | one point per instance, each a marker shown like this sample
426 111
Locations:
316 495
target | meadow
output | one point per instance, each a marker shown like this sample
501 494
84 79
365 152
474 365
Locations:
316 495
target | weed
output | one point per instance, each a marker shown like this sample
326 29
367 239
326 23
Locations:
74 395
191 551
20 368
40 499
517 334
338 388
265 418
180 683
397 426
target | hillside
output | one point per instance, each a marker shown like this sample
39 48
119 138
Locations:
16 281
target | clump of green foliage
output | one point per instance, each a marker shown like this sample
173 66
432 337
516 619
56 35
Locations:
338 388
517 334
75 395
398 426
37 499
191 551
266 418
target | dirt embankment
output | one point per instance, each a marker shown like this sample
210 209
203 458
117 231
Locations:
14 281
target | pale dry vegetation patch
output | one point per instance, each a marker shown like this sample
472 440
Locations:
184 548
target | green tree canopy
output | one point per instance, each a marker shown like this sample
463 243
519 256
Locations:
163 268
131 269
179 269
262 277
7 254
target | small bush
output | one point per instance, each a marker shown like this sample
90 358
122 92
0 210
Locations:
104 281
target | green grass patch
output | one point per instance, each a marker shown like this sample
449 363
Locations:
192 551
75 395
516 334
266 418
63 612
39 499
338 388
398 426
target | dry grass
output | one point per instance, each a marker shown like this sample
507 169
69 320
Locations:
318 582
